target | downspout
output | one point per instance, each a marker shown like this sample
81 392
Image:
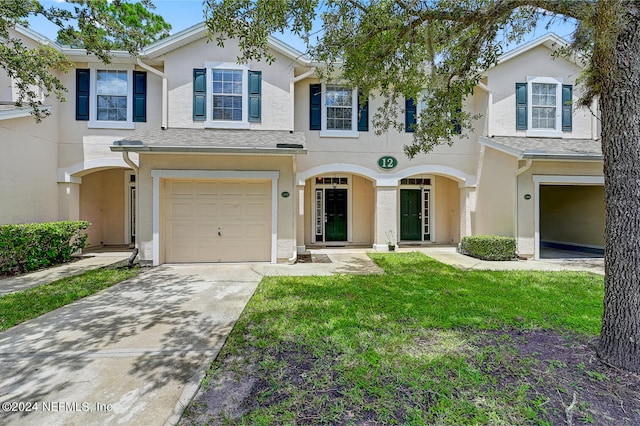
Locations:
164 90
521 170
292 91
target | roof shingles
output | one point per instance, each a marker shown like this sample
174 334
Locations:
546 148
209 140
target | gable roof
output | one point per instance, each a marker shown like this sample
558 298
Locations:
551 41
200 31
160 47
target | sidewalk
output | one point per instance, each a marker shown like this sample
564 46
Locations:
91 260
449 255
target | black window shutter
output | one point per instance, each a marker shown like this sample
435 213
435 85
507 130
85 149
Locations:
83 79
139 96
255 96
567 107
199 94
315 107
457 127
363 114
410 111
521 106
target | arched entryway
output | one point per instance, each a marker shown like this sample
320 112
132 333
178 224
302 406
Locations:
339 209
106 197
107 200
428 209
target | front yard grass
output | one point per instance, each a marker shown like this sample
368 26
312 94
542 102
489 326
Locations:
424 344
31 303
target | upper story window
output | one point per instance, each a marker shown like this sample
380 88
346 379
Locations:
227 94
112 88
231 100
544 106
412 110
336 111
110 98
339 107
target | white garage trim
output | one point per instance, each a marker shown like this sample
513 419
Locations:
157 175
554 180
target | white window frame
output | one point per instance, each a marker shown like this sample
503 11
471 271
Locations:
333 133
227 124
93 122
531 131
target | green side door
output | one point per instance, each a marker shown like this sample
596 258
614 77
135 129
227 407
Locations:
336 214
410 215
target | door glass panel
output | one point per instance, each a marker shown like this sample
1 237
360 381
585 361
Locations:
319 214
425 215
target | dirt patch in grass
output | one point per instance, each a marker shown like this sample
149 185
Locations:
565 376
557 375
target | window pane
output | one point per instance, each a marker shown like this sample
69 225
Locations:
544 94
111 90
339 107
111 82
543 118
227 94
543 105
112 108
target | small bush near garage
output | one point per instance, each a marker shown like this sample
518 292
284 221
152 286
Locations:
31 246
489 247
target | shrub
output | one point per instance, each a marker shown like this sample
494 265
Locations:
489 247
32 246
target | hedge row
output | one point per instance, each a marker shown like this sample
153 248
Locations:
489 247
32 246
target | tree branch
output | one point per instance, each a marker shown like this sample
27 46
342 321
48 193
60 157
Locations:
578 9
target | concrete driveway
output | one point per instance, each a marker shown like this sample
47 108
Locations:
132 354
136 352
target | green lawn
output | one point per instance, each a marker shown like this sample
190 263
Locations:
31 303
424 344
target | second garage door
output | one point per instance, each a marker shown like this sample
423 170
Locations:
217 220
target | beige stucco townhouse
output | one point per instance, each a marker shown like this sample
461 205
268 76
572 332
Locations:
195 158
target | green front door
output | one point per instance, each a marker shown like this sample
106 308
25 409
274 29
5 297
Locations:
336 214
410 215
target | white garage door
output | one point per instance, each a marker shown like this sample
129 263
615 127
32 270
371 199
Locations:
217 220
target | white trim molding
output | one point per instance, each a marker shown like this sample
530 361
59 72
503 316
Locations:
73 174
335 133
93 122
542 132
158 175
385 179
210 123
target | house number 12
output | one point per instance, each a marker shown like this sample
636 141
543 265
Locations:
387 162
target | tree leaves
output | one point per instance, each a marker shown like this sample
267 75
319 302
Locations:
98 26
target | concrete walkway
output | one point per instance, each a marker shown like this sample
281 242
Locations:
449 255
135 353
89 261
